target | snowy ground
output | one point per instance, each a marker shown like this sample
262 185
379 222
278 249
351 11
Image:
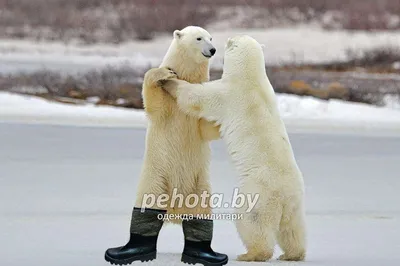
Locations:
67 194
299 113
301 44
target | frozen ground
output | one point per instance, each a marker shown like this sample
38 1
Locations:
66 195
301 44
299 113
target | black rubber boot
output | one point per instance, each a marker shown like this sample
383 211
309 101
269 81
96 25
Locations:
198 236
142 244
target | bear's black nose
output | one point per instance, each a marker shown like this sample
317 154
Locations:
212 51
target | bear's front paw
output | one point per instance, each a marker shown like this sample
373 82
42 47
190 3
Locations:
162 83
169 85
168 73
172 72
165 75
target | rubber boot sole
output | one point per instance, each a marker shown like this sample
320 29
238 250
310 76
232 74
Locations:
190 260
143 258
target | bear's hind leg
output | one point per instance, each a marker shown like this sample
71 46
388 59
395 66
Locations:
150 189
257 231
292 235
259 245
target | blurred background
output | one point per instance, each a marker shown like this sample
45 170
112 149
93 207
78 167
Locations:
96 51
74 69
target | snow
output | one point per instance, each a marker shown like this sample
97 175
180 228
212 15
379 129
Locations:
295 44
301 113
22 108
392 101
308 111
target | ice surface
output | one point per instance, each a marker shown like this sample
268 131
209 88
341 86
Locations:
66 196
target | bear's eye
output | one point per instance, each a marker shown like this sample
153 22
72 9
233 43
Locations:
210 39
199 39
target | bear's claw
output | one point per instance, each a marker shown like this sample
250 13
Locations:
172 71
167 74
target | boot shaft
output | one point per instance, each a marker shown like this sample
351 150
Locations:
198 230
146 222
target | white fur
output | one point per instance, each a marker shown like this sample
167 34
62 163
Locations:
177 149
243 103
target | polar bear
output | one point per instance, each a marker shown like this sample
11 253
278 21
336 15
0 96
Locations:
176 161
243 104
177 151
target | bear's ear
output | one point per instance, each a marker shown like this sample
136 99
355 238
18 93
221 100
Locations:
262 46
229 42
178 34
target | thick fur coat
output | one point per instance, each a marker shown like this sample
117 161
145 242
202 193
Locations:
177 149
243 104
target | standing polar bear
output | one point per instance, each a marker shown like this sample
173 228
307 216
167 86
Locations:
243 103
177 156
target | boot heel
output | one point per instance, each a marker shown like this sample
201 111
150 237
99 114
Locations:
149 257
189 260
142 258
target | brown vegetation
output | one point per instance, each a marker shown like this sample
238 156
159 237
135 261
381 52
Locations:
334 90
383 59
116 21
125 91
113 86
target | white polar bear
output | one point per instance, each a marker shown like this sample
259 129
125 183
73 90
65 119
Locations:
177 151
176 159
243 104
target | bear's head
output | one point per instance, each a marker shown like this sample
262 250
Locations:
196 43
243 54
